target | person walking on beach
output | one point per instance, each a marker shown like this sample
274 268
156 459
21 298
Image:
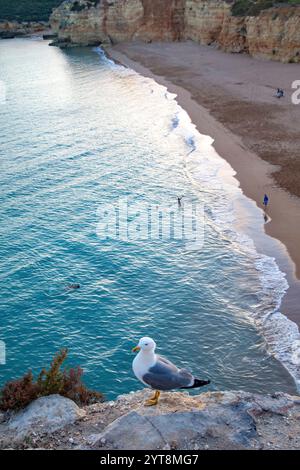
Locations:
266 201
280 93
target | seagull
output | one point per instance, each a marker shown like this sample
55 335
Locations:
159 373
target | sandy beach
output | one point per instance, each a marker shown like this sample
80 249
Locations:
231 98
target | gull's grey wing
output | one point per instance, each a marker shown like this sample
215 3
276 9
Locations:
166 361
164 375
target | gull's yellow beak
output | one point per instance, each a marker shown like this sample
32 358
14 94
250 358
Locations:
136 349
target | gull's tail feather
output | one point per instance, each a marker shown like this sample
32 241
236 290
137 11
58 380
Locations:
199 383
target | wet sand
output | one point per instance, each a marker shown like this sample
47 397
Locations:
231 98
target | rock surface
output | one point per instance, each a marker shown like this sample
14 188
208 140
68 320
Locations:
47 414
274 34
178 430
213 420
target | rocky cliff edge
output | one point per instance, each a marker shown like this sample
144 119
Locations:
213 420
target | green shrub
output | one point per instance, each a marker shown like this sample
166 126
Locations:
68 382
27 10
77 7
254 7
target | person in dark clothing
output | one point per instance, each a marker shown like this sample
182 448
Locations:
179 200
266 200
280 93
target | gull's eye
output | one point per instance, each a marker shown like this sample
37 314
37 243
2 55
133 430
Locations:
146 344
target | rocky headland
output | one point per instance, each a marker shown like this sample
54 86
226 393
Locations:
13 29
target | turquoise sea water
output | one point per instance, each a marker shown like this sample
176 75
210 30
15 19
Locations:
77 133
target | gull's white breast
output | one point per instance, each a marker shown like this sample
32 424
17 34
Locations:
141 365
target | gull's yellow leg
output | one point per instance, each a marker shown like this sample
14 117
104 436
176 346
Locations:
153 400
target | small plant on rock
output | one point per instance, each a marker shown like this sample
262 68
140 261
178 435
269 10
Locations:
18 393
67 382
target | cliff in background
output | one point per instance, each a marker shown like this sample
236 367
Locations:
273 34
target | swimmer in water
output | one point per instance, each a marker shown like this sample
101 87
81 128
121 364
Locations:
73 286
179 200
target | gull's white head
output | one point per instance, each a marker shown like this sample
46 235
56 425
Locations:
145 344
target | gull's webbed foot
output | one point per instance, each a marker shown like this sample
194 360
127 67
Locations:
153 400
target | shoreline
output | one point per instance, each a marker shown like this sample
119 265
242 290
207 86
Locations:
230 147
